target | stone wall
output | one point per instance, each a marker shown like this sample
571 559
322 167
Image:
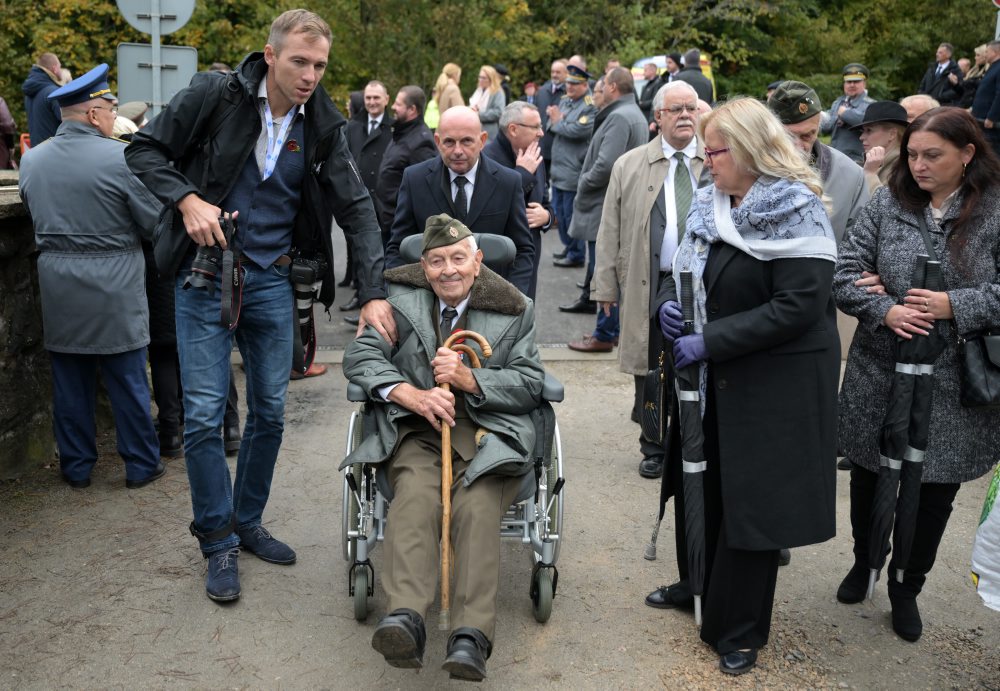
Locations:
25 376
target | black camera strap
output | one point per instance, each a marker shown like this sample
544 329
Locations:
232 289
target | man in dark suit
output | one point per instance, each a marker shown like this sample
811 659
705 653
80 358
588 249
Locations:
516 147
484 195
943 79
550 94
692 74
367 138
986 104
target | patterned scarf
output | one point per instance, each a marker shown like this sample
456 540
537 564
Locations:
778 219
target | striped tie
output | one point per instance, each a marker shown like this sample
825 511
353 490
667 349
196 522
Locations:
682 194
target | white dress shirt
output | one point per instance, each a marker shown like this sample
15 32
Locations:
469 186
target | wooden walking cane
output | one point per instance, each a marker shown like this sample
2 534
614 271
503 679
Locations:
444 623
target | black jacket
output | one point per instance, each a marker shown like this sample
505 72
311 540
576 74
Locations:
649 90
368 150
412 142
940 87
176 154
544 97
533 184
696 78
43 115
497 206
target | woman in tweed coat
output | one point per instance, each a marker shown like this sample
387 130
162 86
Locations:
948 175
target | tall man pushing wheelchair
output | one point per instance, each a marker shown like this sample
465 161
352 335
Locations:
265 145
448 290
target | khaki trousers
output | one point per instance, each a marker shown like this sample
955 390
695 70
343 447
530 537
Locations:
413 533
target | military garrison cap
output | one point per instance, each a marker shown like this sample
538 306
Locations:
794 102
855 72
92 85
577 75
443 230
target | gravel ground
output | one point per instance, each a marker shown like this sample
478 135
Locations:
104 588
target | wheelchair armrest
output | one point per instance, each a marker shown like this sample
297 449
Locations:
552 389
355 393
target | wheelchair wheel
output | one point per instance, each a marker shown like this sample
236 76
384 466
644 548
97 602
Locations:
541 595
361 594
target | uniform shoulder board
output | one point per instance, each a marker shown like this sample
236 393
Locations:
588 99
123 141
564 97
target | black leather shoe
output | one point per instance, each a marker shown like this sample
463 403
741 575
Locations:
157 473
468 651
580 306
400 638
651 467
854 587
844 464
906 618
346 280
352 304
784 557
676 596
568 263
171 446
352 319
559 255
77 484
258 541
738 661
232 439
581 285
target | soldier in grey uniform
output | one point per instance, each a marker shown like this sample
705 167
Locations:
571 124
89 213
848 111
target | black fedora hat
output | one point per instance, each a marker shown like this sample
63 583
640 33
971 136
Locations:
884 111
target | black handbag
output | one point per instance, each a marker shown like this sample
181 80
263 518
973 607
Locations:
979 356
653 416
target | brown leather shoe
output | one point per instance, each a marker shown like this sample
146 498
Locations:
589 344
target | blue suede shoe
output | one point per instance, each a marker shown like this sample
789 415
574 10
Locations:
223 581
257 540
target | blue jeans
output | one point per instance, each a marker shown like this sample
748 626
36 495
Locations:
74 391
264 337
562 203
607 328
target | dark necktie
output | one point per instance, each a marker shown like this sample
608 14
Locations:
682 194
448 315
461 201
372 125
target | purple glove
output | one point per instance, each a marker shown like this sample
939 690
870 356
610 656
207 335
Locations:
689 350
671 321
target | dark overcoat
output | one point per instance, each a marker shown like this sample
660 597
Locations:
773 348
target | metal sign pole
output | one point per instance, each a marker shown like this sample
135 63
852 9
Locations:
157 85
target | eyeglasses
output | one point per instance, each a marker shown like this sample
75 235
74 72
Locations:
113 109
530 127
677 110
710 154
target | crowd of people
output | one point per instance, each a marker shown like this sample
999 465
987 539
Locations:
221 212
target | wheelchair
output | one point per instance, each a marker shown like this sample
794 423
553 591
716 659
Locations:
535 518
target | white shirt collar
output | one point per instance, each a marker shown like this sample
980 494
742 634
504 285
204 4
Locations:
378 120
689 151
470 176
262 94
459 309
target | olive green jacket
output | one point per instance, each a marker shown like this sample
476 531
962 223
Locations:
510 379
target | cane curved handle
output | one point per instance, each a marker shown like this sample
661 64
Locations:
470 351
481 340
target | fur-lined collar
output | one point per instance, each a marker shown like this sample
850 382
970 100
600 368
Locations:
489 291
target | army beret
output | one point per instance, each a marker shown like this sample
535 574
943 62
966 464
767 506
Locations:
794 102
855 72
443 230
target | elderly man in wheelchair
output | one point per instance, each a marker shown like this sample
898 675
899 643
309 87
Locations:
492 436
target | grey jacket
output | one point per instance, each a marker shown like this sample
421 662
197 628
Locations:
510 379
844 184
843 138
620 127
89 211
885 240
490 115
570 138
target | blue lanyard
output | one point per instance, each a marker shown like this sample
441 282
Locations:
274 145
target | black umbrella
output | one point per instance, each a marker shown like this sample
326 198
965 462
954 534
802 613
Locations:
903 438
666 487
692 455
